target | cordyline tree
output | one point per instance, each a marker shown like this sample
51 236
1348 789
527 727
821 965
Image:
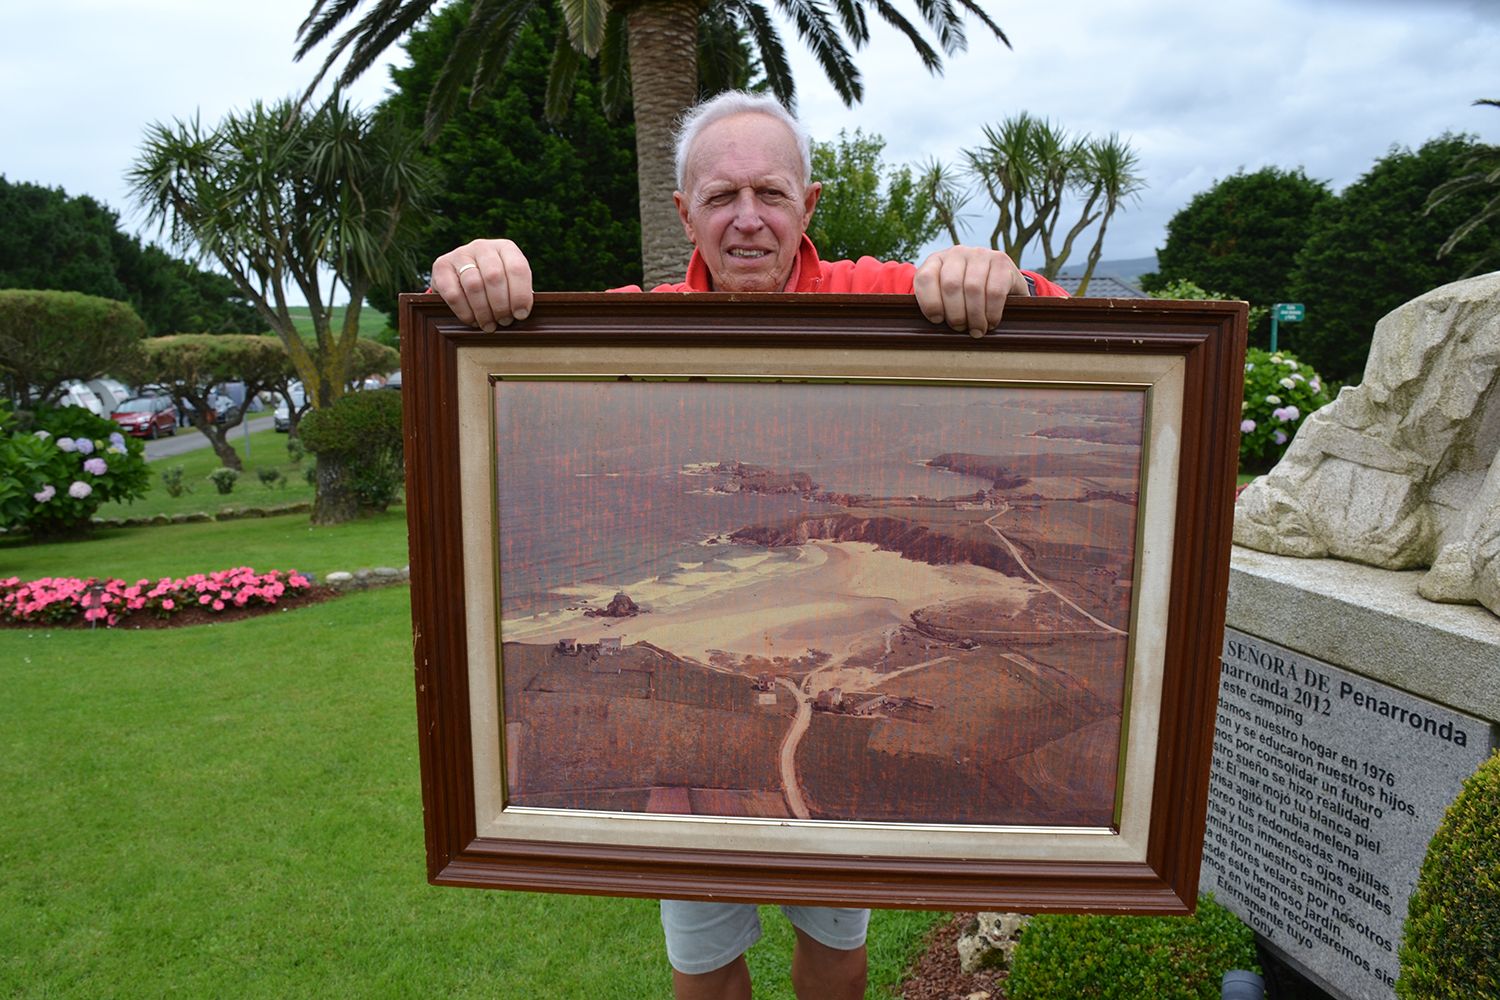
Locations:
47 338
188 366
648 60
282 194
1028 169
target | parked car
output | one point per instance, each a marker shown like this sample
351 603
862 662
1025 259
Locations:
146 416
393 380
283 418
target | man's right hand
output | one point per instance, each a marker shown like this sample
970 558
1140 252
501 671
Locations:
486 282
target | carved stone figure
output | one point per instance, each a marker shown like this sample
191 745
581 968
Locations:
1401 471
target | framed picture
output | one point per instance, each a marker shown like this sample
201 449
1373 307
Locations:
802 599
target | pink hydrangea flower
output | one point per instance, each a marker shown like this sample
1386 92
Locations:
46 493
1246 426
1279 437
84 446
66 444
79 490
95 466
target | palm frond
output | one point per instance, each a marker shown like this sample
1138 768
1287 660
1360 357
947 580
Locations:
945 23
562 76
974 8
897 20
772 51
614 66
852 15
325 16
818 32
585 20
479 53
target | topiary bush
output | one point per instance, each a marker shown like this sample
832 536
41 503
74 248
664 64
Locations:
1280 392
1127 958
1450 948
224 480
58 464
359 447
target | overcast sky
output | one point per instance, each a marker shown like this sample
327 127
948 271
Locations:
1200 89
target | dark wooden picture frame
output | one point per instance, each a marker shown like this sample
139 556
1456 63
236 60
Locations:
1186 357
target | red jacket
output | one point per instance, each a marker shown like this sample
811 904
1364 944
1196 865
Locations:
811 274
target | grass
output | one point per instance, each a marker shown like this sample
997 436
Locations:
289 542
267 451
234 809
371 321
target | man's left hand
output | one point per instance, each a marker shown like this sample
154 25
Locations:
966 288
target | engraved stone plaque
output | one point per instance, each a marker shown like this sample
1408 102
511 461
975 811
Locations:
1326 788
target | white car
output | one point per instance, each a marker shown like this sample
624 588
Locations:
75 393
283 418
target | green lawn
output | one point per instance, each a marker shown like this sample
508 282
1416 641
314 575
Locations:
371 321
267 451
234 810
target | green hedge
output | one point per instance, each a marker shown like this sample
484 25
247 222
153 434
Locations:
362 431
1062 957
1451 944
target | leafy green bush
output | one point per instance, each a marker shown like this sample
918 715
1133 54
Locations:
295 452
1451 945
171 478
1279 394
58 464
361 433
270 478
224 480
47 338
1126 958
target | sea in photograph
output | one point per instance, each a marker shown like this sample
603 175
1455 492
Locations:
606 487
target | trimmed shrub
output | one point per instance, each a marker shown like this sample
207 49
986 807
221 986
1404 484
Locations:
1450 949
361 433
1126 958
171 478
58 464
49 337
224 480
1280 392
270 478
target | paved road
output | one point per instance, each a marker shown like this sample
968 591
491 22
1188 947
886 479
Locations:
189 439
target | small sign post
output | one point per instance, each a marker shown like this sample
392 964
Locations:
1285 312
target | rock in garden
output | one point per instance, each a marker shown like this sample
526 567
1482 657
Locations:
989 941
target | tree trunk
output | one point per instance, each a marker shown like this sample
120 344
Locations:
335 501
218 440
663 36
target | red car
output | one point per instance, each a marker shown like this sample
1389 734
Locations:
146 416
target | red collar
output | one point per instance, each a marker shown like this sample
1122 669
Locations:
806 276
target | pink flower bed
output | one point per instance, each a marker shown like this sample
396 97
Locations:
109 602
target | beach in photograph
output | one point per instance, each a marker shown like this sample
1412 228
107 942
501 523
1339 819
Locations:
816 602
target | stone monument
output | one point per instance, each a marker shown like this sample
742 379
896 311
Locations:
1352 706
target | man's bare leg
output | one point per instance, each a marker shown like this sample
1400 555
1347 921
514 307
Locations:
729 982
823 973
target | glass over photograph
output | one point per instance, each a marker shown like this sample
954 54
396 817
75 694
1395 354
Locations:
849 601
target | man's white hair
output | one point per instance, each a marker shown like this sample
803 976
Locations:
738 102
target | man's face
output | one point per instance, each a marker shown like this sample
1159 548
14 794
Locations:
746 207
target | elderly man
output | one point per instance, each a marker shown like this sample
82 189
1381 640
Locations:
746 196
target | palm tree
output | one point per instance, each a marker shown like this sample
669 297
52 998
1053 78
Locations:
649 45
1112 166
1484 174
1026 168
279 196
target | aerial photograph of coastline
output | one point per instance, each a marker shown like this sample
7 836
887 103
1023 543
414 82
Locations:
870 602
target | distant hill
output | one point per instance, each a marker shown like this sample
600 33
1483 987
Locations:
1125 270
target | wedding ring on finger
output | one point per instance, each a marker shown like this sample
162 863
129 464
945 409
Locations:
461 270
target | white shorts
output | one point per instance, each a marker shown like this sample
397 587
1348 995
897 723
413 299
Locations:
702 937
